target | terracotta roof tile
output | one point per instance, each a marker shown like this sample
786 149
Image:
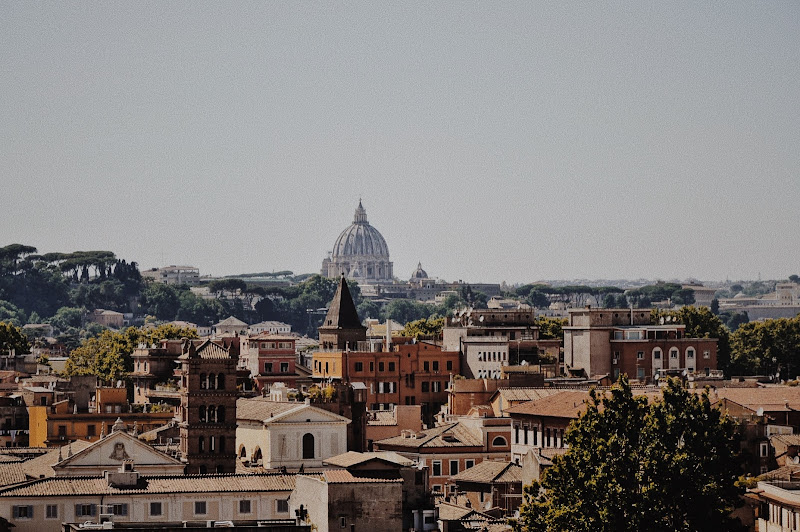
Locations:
343 476
490 471
66 486
449 435
12 473
352 458
262 409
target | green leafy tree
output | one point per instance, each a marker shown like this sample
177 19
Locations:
67 317
406 310
108 356
13 339
425 327
767 347
670 466
11 313
551 328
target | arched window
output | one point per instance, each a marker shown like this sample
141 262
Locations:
211 380
212 443
220 414
243 452
221 381
203 381
673 353
202 413
201 444
222 444
690 352
308 445
257 456
499 441
212 414
657 353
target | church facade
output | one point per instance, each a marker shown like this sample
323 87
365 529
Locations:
360 253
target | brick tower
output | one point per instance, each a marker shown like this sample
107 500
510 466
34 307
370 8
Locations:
208 406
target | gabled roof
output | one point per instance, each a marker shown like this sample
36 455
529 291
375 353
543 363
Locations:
209 350
266 412
98 453
524 394
489 471
342 313
231 321
353 458
565 404
42 466
449 435
790 440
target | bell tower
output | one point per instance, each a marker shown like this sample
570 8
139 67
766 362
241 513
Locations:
208 406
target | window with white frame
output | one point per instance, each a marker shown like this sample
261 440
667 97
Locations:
51 511
763 449
436 470
673 353
706 354
453 467
690 353
244 506
199 507
155 509
469 463
282 506
640 355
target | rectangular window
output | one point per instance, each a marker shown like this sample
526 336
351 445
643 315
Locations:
381 366
437 468
469 463
525 435
763 449
51 511
91 430
83 510
616 373
516 433
449 365
535 435
342 521
62 430
640 373
284 367
119 509
244 507
199 507
706 354
425 387
282 506
640 355
436 386
372 366
23 512
155 508
426 366
391 366
359 366
453 467
268 367
435 365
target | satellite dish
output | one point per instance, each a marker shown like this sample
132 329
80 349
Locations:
760 412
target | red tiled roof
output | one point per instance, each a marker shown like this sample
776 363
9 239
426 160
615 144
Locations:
67 486
343 476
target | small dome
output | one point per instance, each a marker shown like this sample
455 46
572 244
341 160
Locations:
419 273
360 239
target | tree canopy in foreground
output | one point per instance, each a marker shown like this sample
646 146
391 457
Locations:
668 466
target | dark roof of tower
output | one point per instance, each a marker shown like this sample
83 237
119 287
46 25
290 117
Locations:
342 313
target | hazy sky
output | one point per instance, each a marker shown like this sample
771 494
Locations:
489 140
